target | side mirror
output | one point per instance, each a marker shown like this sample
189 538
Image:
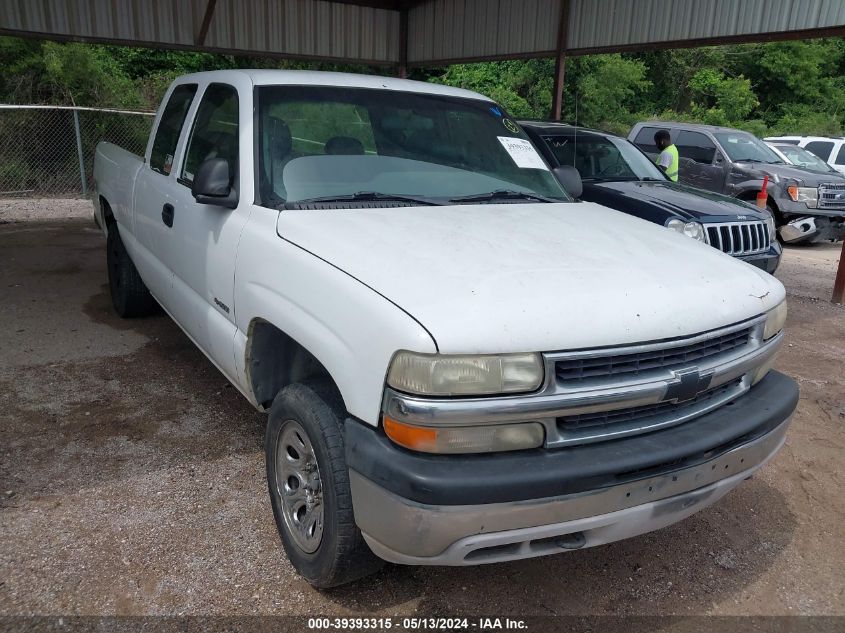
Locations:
213 184
569 177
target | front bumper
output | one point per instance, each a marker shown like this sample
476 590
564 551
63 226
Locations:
768 261
461 510
812 228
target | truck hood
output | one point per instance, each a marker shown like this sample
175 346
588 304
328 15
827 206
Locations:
672 200
788 172
534 277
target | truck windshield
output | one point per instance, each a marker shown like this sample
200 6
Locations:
743 147
351 147
602 158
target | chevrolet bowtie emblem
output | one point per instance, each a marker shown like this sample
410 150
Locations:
688 383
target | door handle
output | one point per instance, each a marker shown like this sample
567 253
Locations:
167 214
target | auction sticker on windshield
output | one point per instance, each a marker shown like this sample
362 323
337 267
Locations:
522 152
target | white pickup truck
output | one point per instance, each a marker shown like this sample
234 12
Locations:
461 365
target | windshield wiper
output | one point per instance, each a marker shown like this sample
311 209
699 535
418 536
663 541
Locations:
364 196
503 194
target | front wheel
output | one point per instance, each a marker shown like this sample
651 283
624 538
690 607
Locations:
309 488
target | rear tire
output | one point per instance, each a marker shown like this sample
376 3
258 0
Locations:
129 295
308 480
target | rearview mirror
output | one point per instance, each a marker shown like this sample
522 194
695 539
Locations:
213 184
569 177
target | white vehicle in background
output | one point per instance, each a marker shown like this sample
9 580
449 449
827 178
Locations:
461 364
831 149
800 157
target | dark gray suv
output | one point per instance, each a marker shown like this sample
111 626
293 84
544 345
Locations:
808 206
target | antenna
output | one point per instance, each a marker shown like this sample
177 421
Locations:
575 135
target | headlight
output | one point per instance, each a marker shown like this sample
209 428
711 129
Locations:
465 375
770 223
807 195
465 439
774 321
690 229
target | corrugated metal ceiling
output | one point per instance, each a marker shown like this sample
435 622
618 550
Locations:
296 28
438 31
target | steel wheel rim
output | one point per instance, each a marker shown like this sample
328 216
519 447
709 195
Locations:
299 487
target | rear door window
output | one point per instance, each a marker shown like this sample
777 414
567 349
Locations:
820 148
169 128
840 157
696 146
645 139
215 131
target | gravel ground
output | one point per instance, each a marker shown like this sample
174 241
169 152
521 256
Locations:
41 209
132 476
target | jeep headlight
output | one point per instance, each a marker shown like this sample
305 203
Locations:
807 195
691 229
465 375
775 319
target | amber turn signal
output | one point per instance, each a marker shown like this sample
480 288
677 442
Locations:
465 439
417 438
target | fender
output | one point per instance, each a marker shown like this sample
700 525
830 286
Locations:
754 185
349 328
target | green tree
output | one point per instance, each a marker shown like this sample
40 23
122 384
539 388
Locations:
606 90
720 100
524 88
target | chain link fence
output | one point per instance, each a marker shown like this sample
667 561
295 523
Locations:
49 150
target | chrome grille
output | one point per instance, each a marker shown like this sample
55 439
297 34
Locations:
739 238
646 413
831 195
603 393
579 369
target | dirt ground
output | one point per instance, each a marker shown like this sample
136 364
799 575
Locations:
132 477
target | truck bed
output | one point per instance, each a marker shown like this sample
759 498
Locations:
115 170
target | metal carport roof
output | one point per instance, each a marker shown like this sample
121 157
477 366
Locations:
420 32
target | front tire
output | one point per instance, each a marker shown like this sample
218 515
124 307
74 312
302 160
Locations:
308 482
129 295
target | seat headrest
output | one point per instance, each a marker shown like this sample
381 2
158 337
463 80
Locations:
344 145
279 138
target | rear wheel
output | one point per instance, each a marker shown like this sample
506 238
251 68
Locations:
129 295
308 482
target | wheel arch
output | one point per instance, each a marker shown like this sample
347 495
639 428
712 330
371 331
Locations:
274 359
750 195
106 215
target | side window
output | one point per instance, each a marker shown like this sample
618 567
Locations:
645 139
215 131
167 134
696 146
840 157
820 148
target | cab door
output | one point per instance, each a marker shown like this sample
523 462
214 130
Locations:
152 244
701 163
208 235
